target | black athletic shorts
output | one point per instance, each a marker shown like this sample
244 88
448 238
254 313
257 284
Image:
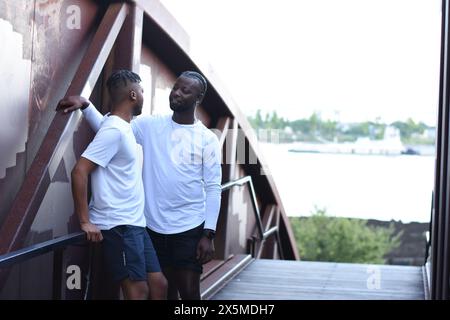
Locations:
178 250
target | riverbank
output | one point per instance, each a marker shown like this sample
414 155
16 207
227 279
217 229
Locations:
362 147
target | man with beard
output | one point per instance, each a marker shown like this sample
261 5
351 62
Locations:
182 177
115 214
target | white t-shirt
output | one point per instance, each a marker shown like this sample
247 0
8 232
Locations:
117 189
181 172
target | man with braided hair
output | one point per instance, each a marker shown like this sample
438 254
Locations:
181 176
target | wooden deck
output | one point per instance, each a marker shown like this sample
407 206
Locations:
301 280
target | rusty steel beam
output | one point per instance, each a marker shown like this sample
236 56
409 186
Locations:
279 247
128 47
223 125
287 245
164 19
229 156
228 174
27 202
267 223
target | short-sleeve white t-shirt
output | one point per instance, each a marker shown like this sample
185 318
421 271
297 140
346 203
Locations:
117 189
181 171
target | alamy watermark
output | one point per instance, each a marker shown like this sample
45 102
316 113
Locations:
73 281
239 147
54 12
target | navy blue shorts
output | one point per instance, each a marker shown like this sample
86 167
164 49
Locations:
178 250
129 253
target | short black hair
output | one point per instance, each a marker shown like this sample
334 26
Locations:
197 76
121 77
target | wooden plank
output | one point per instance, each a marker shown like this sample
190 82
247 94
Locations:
311 294
345 293
324 286
326 265
292 280
301 292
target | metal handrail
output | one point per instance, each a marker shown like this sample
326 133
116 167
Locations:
56 246
240 182
63 241
35 250
59 243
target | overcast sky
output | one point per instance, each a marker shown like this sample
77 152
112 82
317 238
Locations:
348 59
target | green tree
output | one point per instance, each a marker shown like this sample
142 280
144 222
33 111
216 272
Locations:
329 129
324 238
315 122
359 129
408 128
273 121
258 121
301 125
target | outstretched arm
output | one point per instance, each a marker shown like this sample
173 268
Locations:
93 116
72 103
79 191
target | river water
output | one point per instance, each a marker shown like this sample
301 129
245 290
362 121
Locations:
348 185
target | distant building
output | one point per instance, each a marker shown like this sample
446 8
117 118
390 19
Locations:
430 133
391 143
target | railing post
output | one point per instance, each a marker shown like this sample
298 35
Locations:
58 256
279 248
256 209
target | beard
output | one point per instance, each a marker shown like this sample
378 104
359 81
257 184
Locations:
137 110
180 107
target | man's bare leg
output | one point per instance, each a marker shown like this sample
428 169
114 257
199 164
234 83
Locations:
188 283
172 289
134 290
157 285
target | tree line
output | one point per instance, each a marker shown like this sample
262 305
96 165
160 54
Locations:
315 129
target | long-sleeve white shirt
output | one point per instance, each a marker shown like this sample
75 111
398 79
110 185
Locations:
181 171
